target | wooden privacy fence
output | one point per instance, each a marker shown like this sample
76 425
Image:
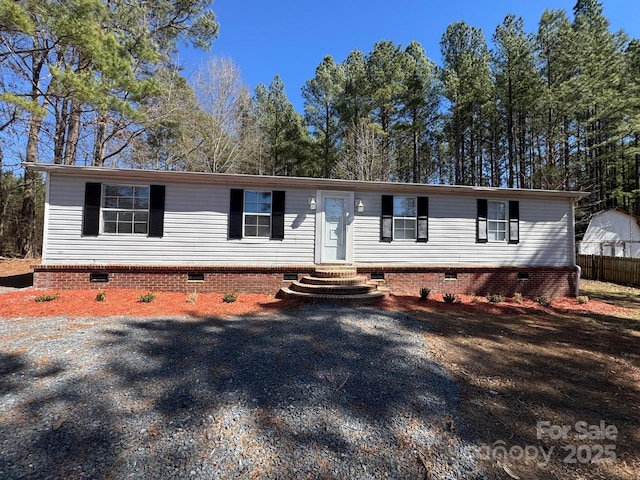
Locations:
624 271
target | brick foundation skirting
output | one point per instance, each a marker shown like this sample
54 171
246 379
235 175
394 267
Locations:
476 280
528 281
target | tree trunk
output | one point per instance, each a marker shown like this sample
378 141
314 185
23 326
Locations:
510 135
2 200
25 241
62 115
73 133
98 147
414 137
327 127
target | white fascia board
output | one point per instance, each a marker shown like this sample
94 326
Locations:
263 181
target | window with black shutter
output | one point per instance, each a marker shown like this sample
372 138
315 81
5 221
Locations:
256 214
91 210
423 219
514 221
277 215
386 219
498 221
156 210
481 221
404 218
236 204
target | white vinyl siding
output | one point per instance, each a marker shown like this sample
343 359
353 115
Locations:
195 231
545 235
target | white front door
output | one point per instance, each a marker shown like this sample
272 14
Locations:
335 215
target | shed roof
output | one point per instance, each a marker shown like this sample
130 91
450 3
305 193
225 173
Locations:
266 181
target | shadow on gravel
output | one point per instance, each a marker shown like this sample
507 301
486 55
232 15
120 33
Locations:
320 392
11 365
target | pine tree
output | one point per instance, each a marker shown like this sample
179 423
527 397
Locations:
322 95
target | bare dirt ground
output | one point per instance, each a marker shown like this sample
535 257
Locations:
16 272
525 376
547 393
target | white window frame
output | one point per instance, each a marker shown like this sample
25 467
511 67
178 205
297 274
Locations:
413 219
245 214
118 210
496 226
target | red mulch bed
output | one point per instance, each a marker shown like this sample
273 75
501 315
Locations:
79 303
470 304
83 303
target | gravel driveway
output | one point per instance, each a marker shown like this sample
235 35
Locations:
315 392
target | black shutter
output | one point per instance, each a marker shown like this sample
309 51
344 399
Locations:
156 210
514 221
277 215
481 222
386 220
423 219
236 206
91 212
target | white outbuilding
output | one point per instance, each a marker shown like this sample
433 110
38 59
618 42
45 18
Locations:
612 233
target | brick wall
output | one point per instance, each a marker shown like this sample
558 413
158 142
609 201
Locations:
172 279
530 282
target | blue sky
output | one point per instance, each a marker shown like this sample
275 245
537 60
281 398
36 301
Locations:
291 37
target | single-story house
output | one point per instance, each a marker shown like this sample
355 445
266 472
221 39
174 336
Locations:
186 231
612 233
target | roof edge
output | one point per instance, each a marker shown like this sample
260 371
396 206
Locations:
298 182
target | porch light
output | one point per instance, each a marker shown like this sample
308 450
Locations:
359 205
312 203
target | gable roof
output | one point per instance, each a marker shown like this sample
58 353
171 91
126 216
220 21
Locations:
617 210
266 181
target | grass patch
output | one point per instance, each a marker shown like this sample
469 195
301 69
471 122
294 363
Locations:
229 297
47 297
147 297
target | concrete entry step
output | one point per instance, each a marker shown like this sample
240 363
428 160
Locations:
335 283
371 297
355 280
335 271
333 289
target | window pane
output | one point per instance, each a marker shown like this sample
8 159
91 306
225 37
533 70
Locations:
263 231
263 221
404 206
141 203
124 228
118 191
250 231
122 201
264 207
141 192
257 202
140 228
264 197
125 202
250 197
110 216
497 211
110 202
405 229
